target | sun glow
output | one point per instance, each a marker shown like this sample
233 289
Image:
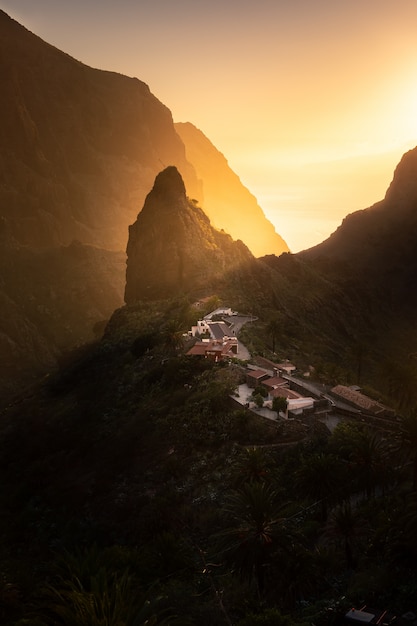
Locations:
313 104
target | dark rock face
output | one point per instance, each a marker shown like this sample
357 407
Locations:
382 231
80 147
172 246
376 247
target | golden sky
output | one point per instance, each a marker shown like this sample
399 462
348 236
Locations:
313 102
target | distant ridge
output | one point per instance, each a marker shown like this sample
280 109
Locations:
80 150
380 241
227 202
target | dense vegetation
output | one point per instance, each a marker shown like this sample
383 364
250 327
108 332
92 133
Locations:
135 492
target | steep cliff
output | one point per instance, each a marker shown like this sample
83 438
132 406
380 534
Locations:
227 202
376 246
80 147
172 246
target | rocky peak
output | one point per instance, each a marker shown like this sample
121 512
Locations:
172 246
403 189
168 189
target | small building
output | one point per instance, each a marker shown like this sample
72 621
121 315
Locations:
285 368
255 377
367 615
220 311
216 330
219 331
360 401
214 350
274 382
297 406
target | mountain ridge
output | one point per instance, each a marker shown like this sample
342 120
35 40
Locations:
223 191
80 149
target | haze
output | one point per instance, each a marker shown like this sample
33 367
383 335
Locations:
312 103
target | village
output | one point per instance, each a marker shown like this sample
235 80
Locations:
277 391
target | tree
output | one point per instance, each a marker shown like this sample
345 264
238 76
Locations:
274 329
279 404
408 440
256 530
258 399
88 592
368 457
346 528
320 477
173 335
253 465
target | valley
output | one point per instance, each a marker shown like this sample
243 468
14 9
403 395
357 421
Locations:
198 427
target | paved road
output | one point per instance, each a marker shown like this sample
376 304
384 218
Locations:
236 322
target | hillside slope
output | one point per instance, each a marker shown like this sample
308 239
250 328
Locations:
80 149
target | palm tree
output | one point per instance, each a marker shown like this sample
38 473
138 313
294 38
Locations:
107 600
95 588
408 440
253 465
274 328
368 457
256 531
321 477
345 527
173 335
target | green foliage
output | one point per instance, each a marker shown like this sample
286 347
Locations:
258 399
145 449
87 591
261 391
279 404
144 343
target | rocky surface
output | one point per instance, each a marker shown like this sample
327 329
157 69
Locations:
80 149
173 249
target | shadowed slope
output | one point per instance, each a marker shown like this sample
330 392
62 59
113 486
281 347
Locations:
172 246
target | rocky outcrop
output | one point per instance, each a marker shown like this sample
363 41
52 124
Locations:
172 248
227 202
80 149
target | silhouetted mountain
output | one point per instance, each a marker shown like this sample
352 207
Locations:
227 202
172 246
376 246
80 149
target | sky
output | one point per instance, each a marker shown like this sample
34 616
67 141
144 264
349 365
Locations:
312 102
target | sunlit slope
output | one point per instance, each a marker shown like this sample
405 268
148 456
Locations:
227 202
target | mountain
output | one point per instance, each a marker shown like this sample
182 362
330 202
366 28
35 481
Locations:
172 246
131 473
80 150
80 147
376 246
227 202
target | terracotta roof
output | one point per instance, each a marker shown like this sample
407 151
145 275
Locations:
256 374
275 381
205 348
359 399
284 392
